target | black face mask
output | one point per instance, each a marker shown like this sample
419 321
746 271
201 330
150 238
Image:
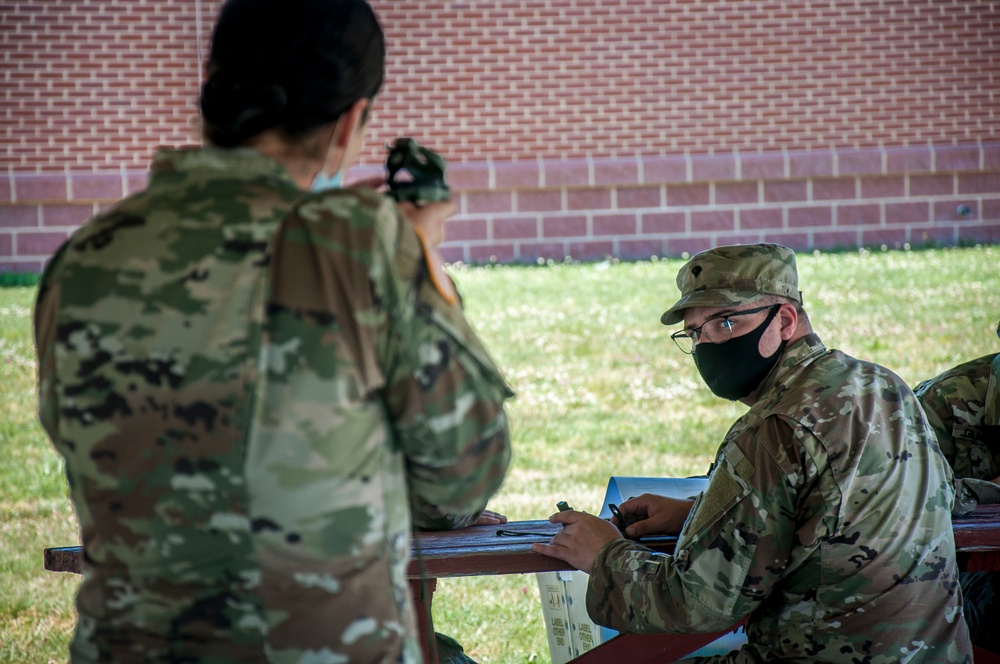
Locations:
734 369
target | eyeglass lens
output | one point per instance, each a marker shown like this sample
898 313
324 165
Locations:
717 330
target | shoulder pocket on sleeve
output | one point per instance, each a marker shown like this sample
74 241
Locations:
447 316
726 488
452 322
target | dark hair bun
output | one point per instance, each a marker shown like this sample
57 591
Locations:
241 111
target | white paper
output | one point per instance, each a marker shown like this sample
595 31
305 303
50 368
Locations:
555 613
621 489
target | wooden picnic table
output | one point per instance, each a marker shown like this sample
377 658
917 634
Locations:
479 551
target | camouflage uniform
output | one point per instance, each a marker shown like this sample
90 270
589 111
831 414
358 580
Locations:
246 383
963 407
827 519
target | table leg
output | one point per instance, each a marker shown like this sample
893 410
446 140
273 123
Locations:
423 594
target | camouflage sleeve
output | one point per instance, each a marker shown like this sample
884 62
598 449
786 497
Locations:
937 412
935 405
427 516
723 565
961 406
375 391
45 341
441 393
992 413
444 394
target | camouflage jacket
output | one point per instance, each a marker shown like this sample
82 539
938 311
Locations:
963 407
826 523
246 382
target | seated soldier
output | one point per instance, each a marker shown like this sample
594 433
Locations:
963 407
826 522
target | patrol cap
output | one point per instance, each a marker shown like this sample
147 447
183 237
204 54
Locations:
735 275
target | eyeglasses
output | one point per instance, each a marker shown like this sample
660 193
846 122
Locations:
716 330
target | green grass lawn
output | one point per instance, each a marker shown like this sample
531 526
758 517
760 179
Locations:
601 391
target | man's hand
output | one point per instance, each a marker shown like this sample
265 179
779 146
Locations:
582 537
488 518
654 515
429 218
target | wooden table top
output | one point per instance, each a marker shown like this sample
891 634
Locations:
479 551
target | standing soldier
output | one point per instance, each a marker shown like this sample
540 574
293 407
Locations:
251 384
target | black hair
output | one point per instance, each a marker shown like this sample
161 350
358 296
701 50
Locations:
292 65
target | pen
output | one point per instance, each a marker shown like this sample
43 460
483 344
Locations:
617 513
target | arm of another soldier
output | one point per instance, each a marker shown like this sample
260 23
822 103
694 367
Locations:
45 317
444 393
932 397
991 415
724 563
365 396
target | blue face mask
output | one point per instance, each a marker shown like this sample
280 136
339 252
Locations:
322 181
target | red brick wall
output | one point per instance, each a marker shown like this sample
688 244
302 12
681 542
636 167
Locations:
520 79
638 207
574 127
95 86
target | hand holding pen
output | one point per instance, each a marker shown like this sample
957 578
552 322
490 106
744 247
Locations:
622 523
651 515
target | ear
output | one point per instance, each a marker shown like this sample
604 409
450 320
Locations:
348 123
788 319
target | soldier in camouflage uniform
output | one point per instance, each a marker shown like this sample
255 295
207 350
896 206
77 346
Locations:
826 522
963 407
250 383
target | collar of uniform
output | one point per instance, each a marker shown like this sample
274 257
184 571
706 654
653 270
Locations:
213 162
796 354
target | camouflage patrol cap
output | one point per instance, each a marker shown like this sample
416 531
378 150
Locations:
733 276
